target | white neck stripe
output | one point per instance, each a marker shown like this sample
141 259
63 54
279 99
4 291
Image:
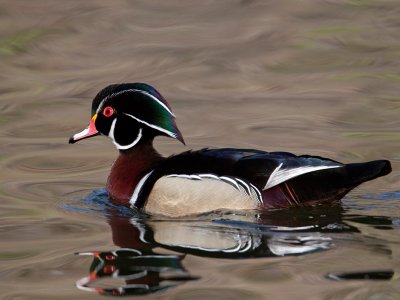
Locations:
123 147
138 187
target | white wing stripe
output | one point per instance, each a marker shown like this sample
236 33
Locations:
278 176
244 185
231 181
194 177
211 176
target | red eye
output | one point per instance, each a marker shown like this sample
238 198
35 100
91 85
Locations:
108 111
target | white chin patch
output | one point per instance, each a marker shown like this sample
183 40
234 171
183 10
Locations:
123 147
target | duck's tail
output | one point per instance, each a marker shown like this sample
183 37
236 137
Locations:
362 172
324 185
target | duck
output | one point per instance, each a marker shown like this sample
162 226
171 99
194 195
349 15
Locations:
209 179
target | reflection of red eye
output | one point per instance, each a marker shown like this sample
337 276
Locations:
108 269
108 111
110 257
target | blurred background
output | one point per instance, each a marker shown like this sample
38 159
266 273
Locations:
308 77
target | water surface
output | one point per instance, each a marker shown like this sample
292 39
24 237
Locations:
315 77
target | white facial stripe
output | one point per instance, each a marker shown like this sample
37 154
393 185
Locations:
171 134
135 90
100 105
155 99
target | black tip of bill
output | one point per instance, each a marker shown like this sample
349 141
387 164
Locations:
71 140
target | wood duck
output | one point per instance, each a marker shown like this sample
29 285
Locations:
133 114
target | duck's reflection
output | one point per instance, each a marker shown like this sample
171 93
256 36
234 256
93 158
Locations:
136 268
220 238
139 273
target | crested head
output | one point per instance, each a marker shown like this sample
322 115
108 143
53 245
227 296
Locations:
130 113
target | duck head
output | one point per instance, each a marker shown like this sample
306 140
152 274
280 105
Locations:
130 114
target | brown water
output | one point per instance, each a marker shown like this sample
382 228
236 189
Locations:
316 77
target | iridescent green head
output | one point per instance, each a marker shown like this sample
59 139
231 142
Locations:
129 114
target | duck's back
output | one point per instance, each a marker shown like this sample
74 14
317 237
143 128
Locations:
211 179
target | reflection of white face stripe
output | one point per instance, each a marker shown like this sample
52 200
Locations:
140 91
123 147
171 134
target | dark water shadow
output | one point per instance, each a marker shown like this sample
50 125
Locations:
136 268
364 275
